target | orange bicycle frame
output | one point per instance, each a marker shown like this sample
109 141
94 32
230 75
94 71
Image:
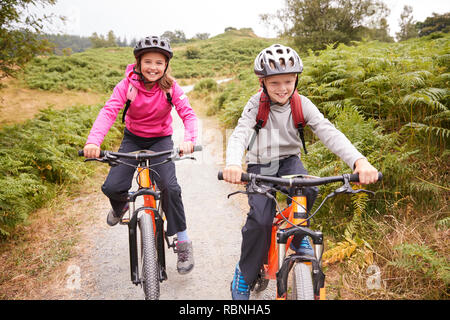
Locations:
296 214
145 181
290 213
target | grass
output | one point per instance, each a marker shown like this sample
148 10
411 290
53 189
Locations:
38 253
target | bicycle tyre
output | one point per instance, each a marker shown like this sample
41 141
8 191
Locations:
149 261
302 288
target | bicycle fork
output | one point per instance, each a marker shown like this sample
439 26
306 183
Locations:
132 234
286 264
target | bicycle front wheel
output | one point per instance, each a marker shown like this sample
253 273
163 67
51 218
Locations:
302 285
149 261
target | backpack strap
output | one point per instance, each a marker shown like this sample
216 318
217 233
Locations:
131 95
261 118
169 97
297 117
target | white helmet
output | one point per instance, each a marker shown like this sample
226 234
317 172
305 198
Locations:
277 59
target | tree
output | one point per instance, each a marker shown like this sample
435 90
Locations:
99 41
312 24
175 37
111 40
202 36
20 37
436 23
407 25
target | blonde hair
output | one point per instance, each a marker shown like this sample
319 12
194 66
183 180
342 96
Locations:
166 81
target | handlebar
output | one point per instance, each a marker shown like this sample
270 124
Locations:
141 155
299 182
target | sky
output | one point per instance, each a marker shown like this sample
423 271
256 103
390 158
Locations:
140 18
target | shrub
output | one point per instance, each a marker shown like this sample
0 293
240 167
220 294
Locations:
39 156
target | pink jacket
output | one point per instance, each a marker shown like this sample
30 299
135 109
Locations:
149 113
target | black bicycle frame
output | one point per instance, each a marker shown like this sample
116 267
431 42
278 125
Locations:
288 262
159 235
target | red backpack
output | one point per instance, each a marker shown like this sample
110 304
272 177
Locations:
263 115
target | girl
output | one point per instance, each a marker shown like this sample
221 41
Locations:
148 125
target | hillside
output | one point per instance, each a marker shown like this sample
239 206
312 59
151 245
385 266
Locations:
100 69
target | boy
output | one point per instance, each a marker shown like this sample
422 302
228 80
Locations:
275 150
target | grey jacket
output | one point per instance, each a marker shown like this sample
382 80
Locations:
279 138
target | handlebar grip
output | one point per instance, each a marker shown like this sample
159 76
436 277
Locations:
355 177
244 177
81 153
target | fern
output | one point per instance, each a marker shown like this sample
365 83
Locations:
39 156
443 223
428 97
444 133
422 259
415 79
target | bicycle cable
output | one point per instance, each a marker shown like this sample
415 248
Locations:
308 218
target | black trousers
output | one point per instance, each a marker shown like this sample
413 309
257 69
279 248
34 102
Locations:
119 180
258 227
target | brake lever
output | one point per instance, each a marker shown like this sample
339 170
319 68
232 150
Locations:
235 193
96 159
175 156
347 188
253 188
364 190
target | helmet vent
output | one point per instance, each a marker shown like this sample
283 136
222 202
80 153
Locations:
291 60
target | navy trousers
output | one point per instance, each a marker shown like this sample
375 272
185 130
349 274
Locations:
257 229
119 180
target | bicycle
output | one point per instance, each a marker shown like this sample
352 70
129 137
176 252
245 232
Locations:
308 279
148 219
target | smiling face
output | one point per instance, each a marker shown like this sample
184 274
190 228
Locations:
153 66
280 87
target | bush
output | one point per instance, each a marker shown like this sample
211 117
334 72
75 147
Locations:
208 85
38 157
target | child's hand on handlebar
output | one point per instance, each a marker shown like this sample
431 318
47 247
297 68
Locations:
91 151
186 147
367 173
232 174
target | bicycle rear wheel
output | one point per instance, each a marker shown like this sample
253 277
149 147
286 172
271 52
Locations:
149 261
302 285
